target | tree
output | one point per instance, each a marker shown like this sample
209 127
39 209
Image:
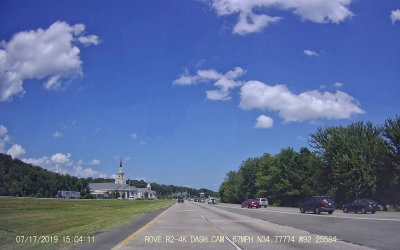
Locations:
389 174
351 159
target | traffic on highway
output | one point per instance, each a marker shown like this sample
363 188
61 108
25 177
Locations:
197 225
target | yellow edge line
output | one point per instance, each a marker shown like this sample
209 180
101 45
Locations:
132 236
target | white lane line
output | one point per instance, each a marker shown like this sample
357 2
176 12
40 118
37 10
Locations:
232 243
203 217
343 217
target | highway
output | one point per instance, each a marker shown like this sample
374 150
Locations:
228 226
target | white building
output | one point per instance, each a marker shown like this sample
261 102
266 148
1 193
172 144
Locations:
105 190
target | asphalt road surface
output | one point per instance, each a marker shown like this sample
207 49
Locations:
227 226
379 231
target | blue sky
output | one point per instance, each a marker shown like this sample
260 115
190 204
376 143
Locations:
184 91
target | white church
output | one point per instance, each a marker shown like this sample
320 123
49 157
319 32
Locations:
126 191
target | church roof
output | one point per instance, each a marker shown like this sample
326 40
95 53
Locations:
145 190
110 186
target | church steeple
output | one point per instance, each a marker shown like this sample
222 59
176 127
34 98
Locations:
120 179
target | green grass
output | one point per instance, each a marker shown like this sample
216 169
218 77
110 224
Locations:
35 217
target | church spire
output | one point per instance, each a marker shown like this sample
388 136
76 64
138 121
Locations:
120 179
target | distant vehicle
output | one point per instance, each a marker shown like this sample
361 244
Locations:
202 201
180 200
120 198
196 200
131 198
211 201
361 205
68 195
250 203
263 202
318 204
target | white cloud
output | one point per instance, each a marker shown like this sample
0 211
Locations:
310 53
186 80
395 16
51 54
62 164
3 130
224 82
16 150
309 105
264 122
338 84
57 134
88 40
58 163
60 158
95 162
4 138
318 11
134 136
143 142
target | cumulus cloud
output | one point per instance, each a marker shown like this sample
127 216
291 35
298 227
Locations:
338 84
223 82
95 162
60 158
318 11
3 130
264 122
310 53
134 136
16 150
4 138
50 54
395 16
309 105
63 164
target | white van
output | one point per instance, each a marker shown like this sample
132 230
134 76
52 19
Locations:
262 201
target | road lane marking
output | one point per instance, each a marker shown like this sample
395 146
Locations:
132 236
232 243
203 217
334 216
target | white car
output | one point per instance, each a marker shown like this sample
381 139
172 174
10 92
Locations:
262 201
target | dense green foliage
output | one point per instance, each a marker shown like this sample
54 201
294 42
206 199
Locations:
20 179
357 161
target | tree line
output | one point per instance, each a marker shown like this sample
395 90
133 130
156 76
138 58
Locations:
18 178
358 161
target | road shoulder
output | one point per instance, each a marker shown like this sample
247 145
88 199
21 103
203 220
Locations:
109 239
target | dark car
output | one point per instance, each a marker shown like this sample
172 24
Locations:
180 200
361 205
318 204
250 203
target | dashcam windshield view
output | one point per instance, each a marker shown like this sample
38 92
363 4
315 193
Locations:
199 124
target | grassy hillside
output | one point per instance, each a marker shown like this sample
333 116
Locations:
62 218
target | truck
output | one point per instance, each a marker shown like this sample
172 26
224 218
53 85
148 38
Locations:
67 194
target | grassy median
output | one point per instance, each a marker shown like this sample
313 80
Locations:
29 217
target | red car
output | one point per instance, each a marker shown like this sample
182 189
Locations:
250 203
